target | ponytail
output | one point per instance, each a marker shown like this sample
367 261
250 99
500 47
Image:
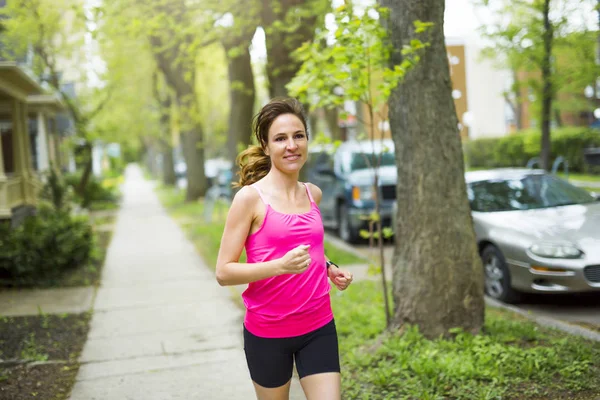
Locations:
253 164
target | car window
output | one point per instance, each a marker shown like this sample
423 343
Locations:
364 160
530 192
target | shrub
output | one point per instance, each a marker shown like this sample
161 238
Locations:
44 247
57 191
95 191
517 149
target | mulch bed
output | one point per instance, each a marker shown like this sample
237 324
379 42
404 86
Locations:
39 355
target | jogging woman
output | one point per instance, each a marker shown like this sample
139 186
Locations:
277 219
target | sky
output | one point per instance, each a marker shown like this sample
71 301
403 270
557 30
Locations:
461 20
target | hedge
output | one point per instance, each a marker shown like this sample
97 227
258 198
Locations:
517 149
44 247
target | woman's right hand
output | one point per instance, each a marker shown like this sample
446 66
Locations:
296 261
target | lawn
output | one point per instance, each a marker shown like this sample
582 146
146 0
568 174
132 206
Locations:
512 358
580 177
572 175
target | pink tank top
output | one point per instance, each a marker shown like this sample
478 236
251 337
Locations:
291 304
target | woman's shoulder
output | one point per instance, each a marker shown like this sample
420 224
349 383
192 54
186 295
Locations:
246 196
315 191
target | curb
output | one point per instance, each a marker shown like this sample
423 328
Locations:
339 243
546 321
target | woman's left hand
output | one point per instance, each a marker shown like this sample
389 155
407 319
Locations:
340 278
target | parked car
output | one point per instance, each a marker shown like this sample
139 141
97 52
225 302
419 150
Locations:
535 232
212 169
347 182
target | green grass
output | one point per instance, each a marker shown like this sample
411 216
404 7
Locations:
572 175
206 236
342 257
512 359
581 177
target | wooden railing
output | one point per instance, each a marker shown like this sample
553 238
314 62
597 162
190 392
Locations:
14 192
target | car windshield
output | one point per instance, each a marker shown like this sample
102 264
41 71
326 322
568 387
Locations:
359 160
530 192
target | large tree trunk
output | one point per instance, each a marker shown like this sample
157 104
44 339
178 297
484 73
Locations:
168 163
164 102
281 66
241 97
546 88
193 153
180 76
86 157
437 272
192 139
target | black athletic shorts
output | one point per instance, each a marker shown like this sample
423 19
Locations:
271 360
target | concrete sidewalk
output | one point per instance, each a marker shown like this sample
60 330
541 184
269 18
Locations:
162 327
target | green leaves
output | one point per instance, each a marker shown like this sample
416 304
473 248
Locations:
421 26
354 63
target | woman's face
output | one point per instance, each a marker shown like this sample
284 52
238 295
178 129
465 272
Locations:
288 143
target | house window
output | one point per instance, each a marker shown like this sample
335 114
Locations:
7 146
33 138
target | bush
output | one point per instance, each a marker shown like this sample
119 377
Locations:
95 191
57 191
44 247
516 150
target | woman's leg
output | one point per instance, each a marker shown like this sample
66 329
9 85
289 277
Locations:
318 364
326 386
279 393
270 363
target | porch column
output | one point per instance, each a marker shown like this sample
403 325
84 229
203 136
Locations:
4 210
42 143
21 149
2 175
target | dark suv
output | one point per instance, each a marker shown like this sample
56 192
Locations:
347 184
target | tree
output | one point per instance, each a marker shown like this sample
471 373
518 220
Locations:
288 24
137 109
236 36
176 30
355 67
525 36
38 25
575 69
437 272
164 98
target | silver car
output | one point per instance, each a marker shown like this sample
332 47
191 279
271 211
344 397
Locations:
536 233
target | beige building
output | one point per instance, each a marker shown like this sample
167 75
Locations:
27 138
458 76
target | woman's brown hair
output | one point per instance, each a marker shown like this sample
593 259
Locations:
253 162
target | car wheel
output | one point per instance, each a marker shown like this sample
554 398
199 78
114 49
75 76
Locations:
347 234
497 276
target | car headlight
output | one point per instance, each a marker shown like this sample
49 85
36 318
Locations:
363 193
555 250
